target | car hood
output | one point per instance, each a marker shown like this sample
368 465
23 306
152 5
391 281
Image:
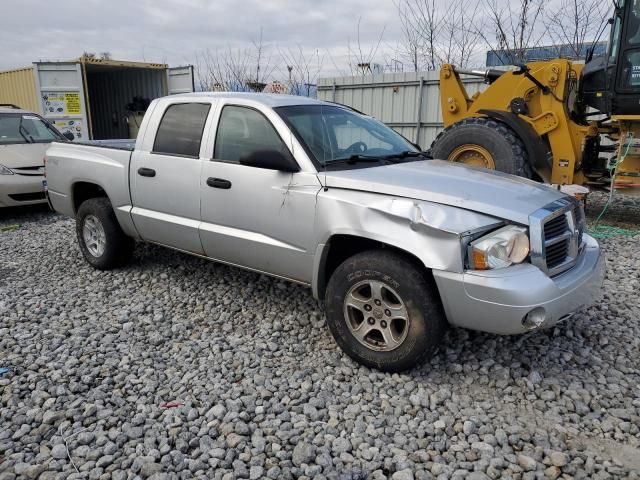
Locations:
486 191
23 155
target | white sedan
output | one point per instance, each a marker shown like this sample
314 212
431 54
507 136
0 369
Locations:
24 138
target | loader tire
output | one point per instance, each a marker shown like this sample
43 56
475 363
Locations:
483 142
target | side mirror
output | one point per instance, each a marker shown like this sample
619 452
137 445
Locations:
271 160
69 136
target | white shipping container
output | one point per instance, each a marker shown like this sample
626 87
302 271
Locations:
89 96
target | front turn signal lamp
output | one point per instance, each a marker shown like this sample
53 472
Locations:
506 246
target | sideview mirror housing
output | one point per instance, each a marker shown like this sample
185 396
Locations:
69 136
271 160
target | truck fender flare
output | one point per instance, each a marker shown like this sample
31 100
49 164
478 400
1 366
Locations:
536 148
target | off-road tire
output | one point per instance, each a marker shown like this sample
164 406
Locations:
118 247
507 149
417 290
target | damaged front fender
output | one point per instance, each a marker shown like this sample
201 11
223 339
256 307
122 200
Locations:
434 233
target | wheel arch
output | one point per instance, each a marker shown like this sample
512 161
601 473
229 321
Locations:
341 246
82 191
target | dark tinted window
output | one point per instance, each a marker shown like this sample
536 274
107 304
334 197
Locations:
242 131
180 130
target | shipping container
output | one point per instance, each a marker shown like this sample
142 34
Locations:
90 97
408 102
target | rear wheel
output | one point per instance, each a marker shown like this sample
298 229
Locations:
483 142
103 243
383 312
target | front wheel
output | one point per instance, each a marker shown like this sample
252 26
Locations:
103 243
383 312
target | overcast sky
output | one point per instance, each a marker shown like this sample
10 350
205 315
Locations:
173 31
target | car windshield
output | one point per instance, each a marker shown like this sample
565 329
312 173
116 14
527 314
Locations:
25 128
335 136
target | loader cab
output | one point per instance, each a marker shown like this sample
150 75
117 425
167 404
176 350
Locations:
611 83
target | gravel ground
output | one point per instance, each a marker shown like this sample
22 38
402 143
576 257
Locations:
179 368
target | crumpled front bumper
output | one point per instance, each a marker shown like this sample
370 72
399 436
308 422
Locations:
520 298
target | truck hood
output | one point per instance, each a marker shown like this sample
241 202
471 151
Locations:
23 155
486 191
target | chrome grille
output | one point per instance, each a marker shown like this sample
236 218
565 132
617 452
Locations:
557 253
556 236
555 227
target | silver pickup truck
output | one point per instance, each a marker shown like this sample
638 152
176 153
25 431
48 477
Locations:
397 245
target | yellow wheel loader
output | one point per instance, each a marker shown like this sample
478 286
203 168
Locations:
556 121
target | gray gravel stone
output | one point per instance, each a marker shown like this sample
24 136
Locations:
303 453
559 459
59 451
261 390
406 474
526 462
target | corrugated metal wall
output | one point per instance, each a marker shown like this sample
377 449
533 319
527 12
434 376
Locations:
19 87
408 102
111 89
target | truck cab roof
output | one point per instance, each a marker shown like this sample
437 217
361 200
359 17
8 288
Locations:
266 99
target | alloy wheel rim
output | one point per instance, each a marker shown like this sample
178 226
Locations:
376 315
93 235
471 154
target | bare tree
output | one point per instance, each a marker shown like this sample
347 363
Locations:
514 26
234 69
421 24
361 59
223 70
434 34
263 66
411 47
459 35
101 55
303 69
575 22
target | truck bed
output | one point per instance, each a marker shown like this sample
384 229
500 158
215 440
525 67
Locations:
104 163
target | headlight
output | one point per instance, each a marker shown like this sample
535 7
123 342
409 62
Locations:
4 170
499 249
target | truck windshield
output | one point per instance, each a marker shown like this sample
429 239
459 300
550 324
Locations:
334 136
25 128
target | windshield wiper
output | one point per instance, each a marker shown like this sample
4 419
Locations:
392 158
405 154
21 129
357 159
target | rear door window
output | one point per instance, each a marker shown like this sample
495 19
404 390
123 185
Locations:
180 130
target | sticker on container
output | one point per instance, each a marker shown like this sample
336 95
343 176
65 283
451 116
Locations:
73 126
72 102
61 103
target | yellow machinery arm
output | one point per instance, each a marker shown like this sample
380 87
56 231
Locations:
539 112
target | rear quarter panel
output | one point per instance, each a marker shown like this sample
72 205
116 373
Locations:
68 164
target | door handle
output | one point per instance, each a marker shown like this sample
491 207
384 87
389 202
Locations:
146 172
219 183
